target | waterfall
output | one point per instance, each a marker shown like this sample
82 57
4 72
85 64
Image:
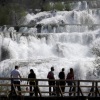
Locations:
65 39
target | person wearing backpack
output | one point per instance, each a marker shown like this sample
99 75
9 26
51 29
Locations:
51 83
70 76
62 77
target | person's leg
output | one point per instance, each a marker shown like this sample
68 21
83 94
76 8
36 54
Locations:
30 89
70 89
35 89
63 88
61 84
54 88
50 87
57 88
13 88
73 88
18 87
15 83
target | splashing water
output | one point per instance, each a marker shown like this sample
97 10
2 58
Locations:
59 45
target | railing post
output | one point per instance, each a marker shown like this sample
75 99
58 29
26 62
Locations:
11 92
96 89
38 89
57 88
74 88
92 90
93 85
78 86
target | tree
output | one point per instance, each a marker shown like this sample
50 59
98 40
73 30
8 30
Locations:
11 14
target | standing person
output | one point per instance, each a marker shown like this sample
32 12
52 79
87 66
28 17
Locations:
32 83
70 76
51 76
62 77
16 82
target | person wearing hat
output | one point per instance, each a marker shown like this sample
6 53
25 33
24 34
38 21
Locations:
51 83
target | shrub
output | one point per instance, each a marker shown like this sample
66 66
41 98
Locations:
47 7
4 15
68 6
57 6
11 13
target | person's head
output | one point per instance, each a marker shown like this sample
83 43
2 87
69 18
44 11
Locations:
16 67
63 69
52 68
31 71
71 70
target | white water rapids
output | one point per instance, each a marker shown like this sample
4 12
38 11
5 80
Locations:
57 45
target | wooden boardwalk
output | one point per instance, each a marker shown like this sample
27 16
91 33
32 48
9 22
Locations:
83 90
47 98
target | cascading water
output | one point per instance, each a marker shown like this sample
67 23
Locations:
58 44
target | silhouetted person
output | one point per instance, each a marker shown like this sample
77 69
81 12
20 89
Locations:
16 82
70 76
32 83
62 77
51 83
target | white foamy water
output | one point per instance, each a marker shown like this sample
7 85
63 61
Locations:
58 44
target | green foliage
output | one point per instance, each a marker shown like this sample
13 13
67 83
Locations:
35 4
60 6
68 6
47 7
18 9
11 13
4 15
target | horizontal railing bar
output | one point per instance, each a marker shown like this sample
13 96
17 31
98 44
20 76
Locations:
41 92
5 84
76 92
68 0
47 85
65 92
4 90
26 79
17 91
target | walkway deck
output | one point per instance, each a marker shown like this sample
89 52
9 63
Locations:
48 98
83 90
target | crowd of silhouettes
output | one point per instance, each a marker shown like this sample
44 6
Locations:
62 82
15 75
